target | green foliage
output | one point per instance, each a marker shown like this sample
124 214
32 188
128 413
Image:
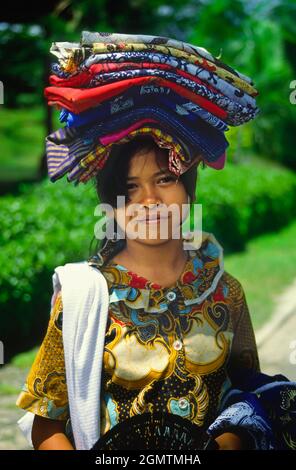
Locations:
22 142
254 38
23 57
268 261
243 201
25 359
7 389
47 225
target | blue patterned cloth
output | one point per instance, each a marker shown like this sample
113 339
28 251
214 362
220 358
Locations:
200 136
138 96
263 410
236 112
66 147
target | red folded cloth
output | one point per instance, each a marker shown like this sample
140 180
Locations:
83 79
77 100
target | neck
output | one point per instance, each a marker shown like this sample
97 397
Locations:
168 255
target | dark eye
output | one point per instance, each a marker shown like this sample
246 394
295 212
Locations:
167 178
129 186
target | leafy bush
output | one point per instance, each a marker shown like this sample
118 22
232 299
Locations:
243 201
48 225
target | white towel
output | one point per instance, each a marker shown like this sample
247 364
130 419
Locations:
85 300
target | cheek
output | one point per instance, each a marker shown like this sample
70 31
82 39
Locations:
124 215
176 194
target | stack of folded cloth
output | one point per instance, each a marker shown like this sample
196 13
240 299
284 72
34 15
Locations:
113 87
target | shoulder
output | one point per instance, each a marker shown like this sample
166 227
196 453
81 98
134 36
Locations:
56 313
236 298
234 286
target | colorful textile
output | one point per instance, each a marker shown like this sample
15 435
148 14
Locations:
181 67
137 97
249 416
95 160
107 82
60 161
64 149
276 394
193 84
72 58
211 142
80 99
88 39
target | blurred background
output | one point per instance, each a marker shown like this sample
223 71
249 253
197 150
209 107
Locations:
250 206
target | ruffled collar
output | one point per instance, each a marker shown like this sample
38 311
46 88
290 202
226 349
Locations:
198 280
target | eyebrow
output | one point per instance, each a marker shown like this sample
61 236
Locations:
161 172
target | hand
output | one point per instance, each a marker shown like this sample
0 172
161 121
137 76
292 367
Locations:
229 441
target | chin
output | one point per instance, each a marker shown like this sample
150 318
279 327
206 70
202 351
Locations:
152 241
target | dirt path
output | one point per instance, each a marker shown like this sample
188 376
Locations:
277 339
11 437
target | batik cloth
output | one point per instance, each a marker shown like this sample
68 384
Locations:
263 396
81 99
210 141
71 58
67 146
82 166
181 67
178 160
89 38
194 85
102 81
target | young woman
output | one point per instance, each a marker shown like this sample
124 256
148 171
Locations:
178 338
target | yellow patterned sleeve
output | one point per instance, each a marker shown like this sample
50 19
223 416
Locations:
45 390
244 354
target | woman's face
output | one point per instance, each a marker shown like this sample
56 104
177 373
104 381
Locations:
150 183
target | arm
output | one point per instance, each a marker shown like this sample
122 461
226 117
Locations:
229 441
243 365
243 360
49 434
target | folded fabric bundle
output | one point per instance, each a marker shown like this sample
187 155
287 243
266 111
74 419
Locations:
65 148
137 96
71 59
80 99
112 87
163 140
180 67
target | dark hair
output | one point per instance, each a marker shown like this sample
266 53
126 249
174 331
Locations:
111 181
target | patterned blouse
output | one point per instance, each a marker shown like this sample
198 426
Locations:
166 348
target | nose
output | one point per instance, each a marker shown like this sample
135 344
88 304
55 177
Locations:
150 198
151 205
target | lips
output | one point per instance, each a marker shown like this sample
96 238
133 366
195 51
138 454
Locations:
152 217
